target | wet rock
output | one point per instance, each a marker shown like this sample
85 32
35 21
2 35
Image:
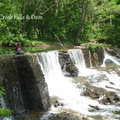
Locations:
56 102
106 101
116 112
102 95
113 51
67 116
87 55
93 108
101 56
112 83
29 116
71 69
66 64
104 118
63 58
109 62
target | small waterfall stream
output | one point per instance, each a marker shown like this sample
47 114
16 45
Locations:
90 59
68 90
112 58
3 105
77 58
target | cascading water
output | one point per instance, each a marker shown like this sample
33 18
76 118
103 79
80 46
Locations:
77 58
108 57
18 102
68 90
90 59
3 105
56 81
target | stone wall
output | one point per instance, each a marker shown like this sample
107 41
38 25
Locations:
66 64
95 57
24 83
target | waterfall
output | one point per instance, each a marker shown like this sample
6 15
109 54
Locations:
90 59
108 57
61 86
50 65
77 58
18 102
51 69
2 101
3 105
68 91
54 77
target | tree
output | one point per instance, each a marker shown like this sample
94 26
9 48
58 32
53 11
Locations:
82 19
102 15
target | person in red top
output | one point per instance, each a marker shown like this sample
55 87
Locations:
18 49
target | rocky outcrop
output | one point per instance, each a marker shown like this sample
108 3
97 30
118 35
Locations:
66 64
24 83
93 58
113 51
87 56
102 95
67 116
70 67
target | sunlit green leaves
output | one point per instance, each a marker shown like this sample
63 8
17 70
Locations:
101 20
5 112
2 91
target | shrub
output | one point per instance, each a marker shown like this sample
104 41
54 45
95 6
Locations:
4 112
94 47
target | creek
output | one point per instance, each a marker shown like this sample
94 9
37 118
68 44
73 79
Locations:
68 90
95 92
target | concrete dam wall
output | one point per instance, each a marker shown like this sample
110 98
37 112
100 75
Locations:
24 83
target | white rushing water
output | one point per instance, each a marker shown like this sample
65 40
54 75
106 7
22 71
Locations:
61 86
77 58
3 105
112 58
68 92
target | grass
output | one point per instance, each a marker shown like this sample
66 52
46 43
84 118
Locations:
35 46
7 50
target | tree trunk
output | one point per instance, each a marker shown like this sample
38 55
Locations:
82 18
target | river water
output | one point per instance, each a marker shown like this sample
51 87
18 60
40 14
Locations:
68 90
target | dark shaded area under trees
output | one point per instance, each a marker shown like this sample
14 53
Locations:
73 21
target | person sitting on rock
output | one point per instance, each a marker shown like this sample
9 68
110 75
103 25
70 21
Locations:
18 49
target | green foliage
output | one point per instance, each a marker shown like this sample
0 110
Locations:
2 91
4 112
6 50
101 21
94 47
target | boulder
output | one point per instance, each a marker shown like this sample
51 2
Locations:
72 69
66 65
102 95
